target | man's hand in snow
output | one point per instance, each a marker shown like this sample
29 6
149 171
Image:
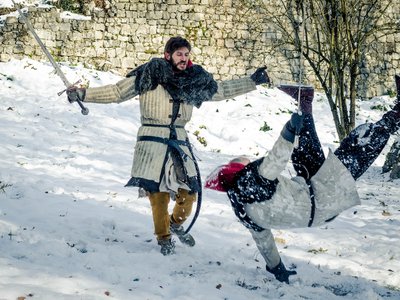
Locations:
281 273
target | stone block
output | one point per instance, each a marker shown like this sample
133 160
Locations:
5 57
123 38
11 20
128 63
120 52
98 52
111 53
229 43
230 61
221 43
99 27
143 56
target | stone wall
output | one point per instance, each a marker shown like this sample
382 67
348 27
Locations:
128 33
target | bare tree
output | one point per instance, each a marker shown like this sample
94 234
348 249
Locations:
333 37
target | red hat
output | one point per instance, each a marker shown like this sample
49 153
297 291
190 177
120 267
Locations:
223 176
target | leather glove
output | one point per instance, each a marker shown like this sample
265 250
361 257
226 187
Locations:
75 94
281 273
292 127
260 76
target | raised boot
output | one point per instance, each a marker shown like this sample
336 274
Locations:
306 95
179 231
391 119
183 207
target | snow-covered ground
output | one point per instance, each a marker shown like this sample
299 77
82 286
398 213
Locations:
9 3
69 229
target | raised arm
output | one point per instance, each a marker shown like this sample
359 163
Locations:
276 159
113 93
231 88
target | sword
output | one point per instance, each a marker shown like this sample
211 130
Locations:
60 74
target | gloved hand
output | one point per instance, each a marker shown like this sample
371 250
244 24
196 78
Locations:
292 127
75 94
281 273
260 76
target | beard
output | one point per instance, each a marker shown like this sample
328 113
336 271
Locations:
178 66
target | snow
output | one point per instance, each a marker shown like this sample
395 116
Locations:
41 4
69 229
70 15
9 3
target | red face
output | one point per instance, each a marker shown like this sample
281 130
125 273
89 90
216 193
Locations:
179 59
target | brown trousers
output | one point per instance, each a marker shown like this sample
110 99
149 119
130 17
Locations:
159 204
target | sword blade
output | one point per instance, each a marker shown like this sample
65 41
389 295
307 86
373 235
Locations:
44 49
60 74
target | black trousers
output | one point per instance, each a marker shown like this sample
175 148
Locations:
357 151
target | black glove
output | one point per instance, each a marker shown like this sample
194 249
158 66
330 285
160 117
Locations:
281 273
75 94
260 76
292 127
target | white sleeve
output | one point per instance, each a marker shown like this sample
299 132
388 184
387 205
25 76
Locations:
276 159
113 93
229 89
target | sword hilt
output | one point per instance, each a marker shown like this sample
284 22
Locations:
299 112
64 90
297 133
84 110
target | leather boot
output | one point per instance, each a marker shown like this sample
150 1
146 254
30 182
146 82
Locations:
391 119
179 231
167 246
182 209
306 95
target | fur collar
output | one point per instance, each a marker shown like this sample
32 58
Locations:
192 86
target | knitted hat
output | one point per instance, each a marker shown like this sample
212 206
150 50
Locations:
223 177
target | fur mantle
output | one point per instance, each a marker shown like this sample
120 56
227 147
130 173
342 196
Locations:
192 86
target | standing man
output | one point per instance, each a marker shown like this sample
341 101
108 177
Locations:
163 163
263 199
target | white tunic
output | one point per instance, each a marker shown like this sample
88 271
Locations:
290 207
